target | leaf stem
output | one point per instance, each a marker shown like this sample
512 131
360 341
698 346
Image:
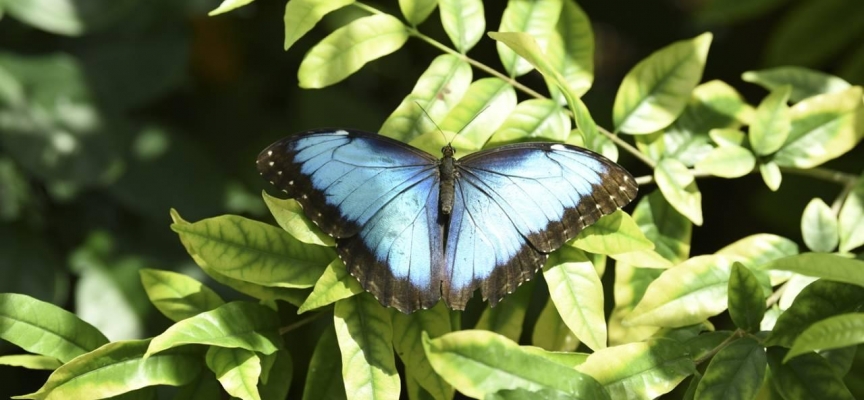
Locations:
301 322
733 337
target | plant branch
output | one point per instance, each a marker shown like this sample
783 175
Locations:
733 337
824 174
301 322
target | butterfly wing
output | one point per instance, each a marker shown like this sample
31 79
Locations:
514 204
378 197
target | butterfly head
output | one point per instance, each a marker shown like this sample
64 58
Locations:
448 150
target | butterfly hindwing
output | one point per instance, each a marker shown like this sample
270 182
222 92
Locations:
378 197
517 203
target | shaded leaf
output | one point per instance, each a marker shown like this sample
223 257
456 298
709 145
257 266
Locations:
830 333
550 331
30 361
806 377
571 49
826 266
508 316
407 340
69 18
813 32
820 300
746 301
178 296
736 372
324 377
533 120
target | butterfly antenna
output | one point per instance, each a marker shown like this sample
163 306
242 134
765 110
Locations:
433 121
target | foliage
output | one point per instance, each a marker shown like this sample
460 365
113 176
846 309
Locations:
794 318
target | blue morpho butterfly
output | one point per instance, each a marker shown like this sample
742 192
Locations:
413 228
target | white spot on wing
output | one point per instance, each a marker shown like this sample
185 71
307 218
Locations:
557 147
271 163
341 132
269 153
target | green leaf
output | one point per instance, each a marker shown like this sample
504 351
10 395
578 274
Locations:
69 18
335 284
819 227
819 300
478 363
656 90
228 5
728 162
771 175
508 316
830 333
746 301
727 137
642 370
416 11
755 250
238 324
117 368
204 387
664 226
481 110
571 49
237 370
463 22
577 292
289 215
643 259
806 377
827 266
437 91
254 252
324 377
771 127
612 234
302 15
851 219
814 32
736 372
532 120
178 296
279 380
550 332
365 334
45 329
31 361
630 286
823 128
679 188
408 342
349 48
685 294
804 82
536 18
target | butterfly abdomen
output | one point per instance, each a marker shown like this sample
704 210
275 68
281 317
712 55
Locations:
448 184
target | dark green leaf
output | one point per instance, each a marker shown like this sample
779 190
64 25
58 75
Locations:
746 301
820 300
324 376
806 377
736 372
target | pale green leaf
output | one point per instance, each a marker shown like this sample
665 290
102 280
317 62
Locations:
407 340
669 230
416 11
463 21
755 250
851 219
809 376
571 49
679 188
771 175
437 91
656 90
289 215
685 294
565 358
577 292
830 333
728 162
746 301
612 234
642 370
532 120
727 137
45 329
335 284
820 265
302 15
819 227
31 361
238 324
823 127
792 288
365 335
324 377
820 300
237 370
349 48
771 125
537 18
483 108
118 368
228 5
804 82
736 372
508 316
178 296
254 252
630 286
643 259
551 333
478 363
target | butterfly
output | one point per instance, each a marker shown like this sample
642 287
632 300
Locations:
413 228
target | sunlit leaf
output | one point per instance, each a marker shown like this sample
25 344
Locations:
30 361
577 292
806 377
237 370
678 186
550 331
481 110
804 82
735 372
819 300
536 18
571 49
657 89
335 284
728 162
830 333
178 296
612 234
771 125
819 227
851 219
289 215
228 5
727 137
349 48
416 11
463 22
771 175
365 335
826 266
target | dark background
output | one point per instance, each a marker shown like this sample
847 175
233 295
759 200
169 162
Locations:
165 107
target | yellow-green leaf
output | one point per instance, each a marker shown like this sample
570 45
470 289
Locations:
819 227
804 82
830 333
289 215
678 186
615 233
851 218
228 5
416 11
237 370
771 126
335 284
178 296
577 292
302 15
728 162
483 108
537 18
771 174
532 120
463 21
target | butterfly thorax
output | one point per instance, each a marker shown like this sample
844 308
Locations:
447 169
